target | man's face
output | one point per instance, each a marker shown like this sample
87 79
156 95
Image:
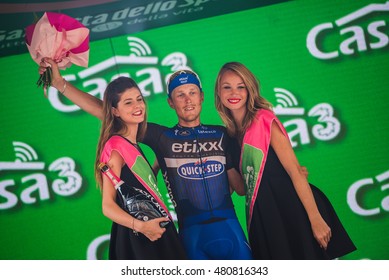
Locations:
187 100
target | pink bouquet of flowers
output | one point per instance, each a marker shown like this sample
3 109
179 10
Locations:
61 38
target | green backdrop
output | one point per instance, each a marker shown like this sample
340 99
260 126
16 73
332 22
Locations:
323 65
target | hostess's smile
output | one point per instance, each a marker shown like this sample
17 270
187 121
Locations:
234 100
137 113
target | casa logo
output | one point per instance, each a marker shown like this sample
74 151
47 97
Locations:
200 169
95 250
358 191
350 34
147 70
34 187
327 126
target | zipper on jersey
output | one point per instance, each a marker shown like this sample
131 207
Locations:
205 182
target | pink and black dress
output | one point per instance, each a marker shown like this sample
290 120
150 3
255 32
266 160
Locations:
278 225
137 173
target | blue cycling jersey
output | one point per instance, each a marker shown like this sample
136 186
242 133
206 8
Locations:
194 164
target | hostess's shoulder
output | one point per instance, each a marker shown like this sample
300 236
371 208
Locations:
265 114
114 140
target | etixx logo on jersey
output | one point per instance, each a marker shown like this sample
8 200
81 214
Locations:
34 187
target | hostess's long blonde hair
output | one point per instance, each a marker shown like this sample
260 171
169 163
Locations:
112 125
254 102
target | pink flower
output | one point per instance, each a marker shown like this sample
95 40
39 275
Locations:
60 37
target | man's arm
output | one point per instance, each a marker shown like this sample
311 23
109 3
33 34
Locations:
232 152
236 181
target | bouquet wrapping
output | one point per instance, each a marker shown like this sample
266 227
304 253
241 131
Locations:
59 37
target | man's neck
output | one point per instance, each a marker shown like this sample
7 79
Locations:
189 124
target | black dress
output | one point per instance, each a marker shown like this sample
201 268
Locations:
125 245
280 228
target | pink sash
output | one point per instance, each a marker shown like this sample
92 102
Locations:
253 157
137 164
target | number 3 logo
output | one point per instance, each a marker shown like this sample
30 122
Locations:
66 166
326 115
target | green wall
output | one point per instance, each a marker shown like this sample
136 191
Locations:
325 73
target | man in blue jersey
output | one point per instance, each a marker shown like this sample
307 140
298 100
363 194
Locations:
198 173
197 169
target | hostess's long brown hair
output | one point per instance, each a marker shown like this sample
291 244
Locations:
113 125
254 102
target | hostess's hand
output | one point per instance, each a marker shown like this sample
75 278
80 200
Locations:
56 79
151 229
321 231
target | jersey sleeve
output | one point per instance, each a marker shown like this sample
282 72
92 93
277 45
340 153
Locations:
232 152
152 135
235 150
